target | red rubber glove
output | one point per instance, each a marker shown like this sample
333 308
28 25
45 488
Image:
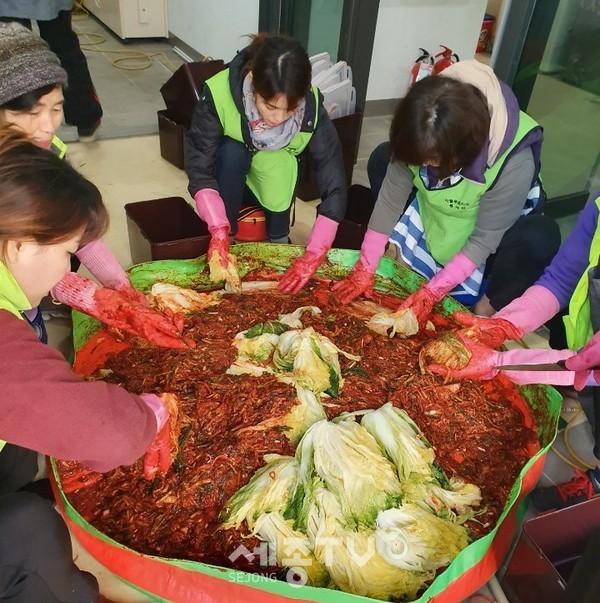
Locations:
362 277
586 364
164 448
492 332
299 273
421 302
483 363
360 281
117 311
319 243
219 244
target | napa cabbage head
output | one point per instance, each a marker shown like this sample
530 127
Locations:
351 465
412 538
291 545
401 440
268 490
455 503
351 557
304 414
312 359
293 320
257 348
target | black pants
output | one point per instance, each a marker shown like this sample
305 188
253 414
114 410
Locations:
231 166
36 558
525 250
82 107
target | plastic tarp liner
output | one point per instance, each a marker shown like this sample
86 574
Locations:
193 582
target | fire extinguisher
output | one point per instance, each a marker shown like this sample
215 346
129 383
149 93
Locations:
446 58
422 68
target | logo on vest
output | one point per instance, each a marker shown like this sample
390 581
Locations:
456 204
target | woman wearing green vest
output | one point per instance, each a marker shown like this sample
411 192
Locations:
31 99
252 122
572 281
47 209
463 190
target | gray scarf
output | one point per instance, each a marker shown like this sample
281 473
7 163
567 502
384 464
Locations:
265 137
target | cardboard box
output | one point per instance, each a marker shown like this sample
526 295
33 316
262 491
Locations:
348 130
547 551
165 229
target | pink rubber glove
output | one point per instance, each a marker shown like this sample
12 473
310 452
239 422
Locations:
118 311
586 364
105 267
362 277
164 448
530 311
492 331
319 243
485 363
453 273
211 209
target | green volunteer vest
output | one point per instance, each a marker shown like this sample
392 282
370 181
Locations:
578 322
273 174
12 299
58 147
449 215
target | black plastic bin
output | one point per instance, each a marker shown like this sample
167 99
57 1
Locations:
547 552
165 229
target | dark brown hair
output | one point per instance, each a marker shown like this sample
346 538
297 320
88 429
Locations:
440 120
42 197
279 65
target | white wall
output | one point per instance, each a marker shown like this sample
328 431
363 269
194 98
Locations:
404 26
215 29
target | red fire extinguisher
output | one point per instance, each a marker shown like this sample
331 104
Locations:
422 68
444 59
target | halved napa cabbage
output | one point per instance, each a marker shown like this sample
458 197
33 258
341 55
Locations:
401 440
403 323
229 274
352 559
293 320
292 549
269 490
178 299
347 459
414 539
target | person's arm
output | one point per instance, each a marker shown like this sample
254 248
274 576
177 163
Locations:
326 152
500 207
105 267
572 259
201 143
47 408
554 288
393 196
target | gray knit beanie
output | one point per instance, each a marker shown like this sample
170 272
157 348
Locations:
26 63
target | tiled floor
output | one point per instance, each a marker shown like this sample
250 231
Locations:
131 169
130 95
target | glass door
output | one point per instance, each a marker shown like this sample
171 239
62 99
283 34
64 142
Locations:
549 52
565 99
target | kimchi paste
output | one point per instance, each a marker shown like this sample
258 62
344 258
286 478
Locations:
481 432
